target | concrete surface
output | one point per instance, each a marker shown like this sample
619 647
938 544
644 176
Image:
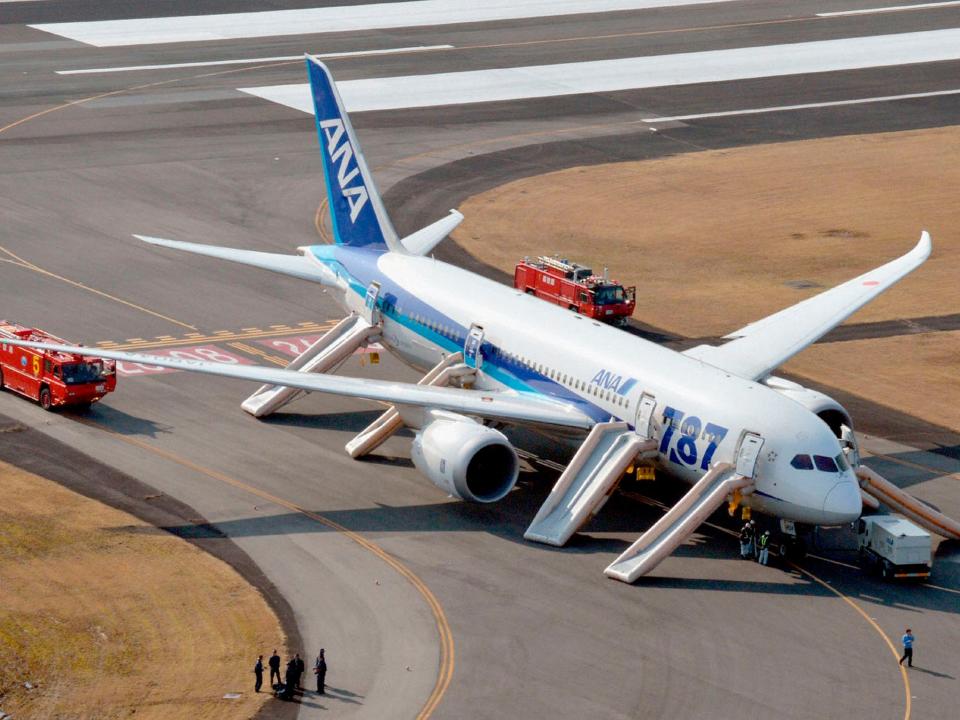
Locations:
536 632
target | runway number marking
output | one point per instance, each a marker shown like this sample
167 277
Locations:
206 353
295 344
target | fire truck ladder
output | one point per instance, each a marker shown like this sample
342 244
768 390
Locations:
588 481
881 489
335 346
374 435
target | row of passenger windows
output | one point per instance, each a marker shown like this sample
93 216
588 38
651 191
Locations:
439 328
566 380
552 373
821 462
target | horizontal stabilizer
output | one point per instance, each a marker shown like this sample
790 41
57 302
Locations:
298 266
423 241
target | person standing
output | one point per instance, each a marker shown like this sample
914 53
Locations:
320 669
274 663
289 680
258 671
765 547
301 668
907 648
746 541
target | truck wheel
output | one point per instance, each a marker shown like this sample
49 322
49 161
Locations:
887 570
46 401
1 379
530 291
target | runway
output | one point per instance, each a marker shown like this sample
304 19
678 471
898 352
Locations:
470 620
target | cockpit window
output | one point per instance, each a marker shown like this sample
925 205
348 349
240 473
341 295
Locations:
802 462
842 463
824 463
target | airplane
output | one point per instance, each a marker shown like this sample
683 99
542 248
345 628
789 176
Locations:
712 416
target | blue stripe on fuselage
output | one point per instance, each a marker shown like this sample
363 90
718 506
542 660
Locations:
359 267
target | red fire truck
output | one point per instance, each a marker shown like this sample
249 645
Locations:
575 287
51 378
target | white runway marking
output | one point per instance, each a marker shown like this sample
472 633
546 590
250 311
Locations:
805 106
895 8
420 13
539 81
247 61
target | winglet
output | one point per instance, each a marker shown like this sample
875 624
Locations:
356 210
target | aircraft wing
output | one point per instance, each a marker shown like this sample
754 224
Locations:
510 407
299 266
760 347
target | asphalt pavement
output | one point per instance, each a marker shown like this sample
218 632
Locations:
426 605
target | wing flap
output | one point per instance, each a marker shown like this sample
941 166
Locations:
494 405
758 348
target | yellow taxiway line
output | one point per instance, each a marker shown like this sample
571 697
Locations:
447 652
164 341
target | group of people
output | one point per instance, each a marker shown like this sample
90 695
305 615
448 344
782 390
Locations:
286 686
753 546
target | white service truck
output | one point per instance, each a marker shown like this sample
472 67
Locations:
894 547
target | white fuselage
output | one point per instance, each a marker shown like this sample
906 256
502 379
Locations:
531 346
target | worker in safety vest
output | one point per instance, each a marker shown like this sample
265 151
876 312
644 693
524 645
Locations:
765 547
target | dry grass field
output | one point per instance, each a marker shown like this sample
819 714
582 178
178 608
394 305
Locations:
714 240
107 617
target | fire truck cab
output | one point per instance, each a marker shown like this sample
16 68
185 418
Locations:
51 378
576 288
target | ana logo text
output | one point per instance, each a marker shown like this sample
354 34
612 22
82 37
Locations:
608 381
341 153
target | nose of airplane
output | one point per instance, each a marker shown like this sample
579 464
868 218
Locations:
843 503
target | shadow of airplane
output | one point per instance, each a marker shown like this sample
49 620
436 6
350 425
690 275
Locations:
118 421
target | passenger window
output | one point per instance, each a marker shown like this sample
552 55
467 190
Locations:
824 463
802 462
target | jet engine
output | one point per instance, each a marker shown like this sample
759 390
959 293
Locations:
466 459
823 406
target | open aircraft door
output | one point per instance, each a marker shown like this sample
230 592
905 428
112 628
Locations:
370 311
644 422
747 454
472 357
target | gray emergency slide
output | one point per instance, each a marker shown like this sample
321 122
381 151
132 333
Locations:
325 355
680 521
587 482
893 497
450 369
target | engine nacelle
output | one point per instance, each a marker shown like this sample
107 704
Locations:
823 406
466 459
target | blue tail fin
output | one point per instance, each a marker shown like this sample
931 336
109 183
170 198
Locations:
356 210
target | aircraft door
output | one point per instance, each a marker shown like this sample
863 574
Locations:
370 311
644 422
748 453
472 356
848 441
